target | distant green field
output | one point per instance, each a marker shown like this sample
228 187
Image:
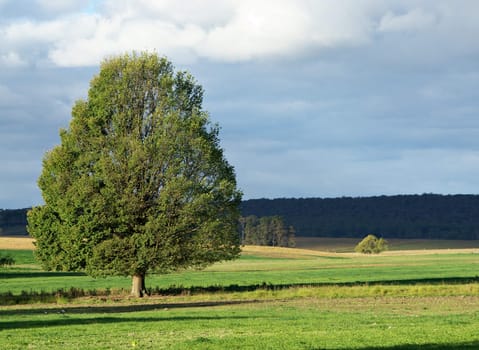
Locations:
253 270
310 301
21 257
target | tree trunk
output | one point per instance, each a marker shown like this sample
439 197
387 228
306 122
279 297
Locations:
138 286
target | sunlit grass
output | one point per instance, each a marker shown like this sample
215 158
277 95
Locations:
270 298
256 270
306 323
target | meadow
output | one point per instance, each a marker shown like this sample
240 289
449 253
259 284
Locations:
270 298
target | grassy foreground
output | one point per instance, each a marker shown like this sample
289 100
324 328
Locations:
305 323
312 300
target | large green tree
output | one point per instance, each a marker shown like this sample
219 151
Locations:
139 182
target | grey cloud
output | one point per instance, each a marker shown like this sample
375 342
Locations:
364 129
396 113
39 104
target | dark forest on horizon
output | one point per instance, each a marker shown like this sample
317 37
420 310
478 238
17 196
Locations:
426 216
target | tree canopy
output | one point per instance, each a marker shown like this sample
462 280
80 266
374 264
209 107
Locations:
267 230
371 245
139 182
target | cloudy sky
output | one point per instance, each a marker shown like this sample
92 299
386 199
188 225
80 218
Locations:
318 98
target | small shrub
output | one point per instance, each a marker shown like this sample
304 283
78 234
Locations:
6 261
371 245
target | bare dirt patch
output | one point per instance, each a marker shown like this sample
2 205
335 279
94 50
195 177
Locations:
288 253
17 243
431 251
296 253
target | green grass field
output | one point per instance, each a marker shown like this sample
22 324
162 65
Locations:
312 323
282 299
254 270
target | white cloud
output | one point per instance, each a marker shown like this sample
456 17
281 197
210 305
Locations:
233 33
27 32
259 29
11 60
415 19
60 6
225 30
204 13
114 35
231 30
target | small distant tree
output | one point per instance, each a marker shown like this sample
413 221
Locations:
291 235
248 227
267 231
6 261
371 245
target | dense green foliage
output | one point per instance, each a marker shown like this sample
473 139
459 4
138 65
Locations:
425 216
268 230
139 182
6 260
371 245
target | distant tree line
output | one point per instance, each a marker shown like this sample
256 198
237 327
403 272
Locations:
266 230
426 216
13 222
